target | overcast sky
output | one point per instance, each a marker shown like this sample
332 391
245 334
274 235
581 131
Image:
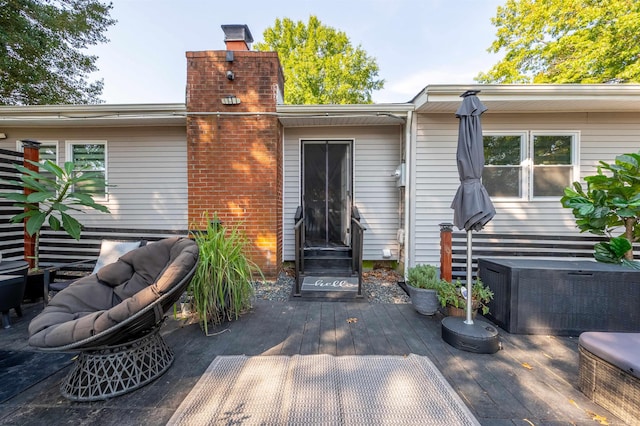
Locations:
415 42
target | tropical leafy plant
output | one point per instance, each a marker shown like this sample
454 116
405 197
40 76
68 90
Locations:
51 195
222 287
452 294
611 203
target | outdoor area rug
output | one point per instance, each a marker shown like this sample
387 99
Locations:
322 389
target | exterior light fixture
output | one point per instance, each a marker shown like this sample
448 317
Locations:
230 100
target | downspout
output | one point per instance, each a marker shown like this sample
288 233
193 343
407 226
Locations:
408 159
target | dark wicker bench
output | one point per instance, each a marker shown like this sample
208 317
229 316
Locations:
610 372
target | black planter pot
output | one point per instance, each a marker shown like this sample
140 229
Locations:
34 290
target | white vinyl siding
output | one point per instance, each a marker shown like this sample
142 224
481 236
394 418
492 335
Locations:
147 167
602 136
376 152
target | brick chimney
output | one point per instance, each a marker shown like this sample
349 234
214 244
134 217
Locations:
234 143
237 37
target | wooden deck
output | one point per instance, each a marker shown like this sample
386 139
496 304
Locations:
532 381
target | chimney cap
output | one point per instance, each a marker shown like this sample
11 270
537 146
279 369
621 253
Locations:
237 32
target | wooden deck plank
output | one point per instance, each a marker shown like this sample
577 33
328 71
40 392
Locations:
358 328
414 344
553 374
327 343
311 335
450 361
496 387
292 343
377 339
345 339
397 344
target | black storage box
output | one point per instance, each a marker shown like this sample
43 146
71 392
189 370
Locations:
561 297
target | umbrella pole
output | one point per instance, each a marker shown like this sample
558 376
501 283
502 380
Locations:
469 302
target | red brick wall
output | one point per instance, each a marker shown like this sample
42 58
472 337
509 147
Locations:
235 151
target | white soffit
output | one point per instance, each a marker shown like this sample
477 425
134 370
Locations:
534 98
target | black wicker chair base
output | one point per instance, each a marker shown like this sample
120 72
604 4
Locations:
610 387
115 370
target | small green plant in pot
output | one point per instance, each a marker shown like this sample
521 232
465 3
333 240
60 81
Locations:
451 297
423 282
222 287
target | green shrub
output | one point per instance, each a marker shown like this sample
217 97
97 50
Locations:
424 276
222 287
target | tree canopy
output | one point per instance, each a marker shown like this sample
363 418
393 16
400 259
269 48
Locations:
566 41
41 43
320 64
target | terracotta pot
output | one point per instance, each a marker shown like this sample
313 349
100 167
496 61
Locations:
452 311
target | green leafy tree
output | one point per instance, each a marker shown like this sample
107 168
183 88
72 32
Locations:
610 203
52 195
320 64
41 43
566 41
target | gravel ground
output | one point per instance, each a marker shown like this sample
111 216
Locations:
380 286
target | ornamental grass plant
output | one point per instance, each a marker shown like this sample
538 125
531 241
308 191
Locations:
222 287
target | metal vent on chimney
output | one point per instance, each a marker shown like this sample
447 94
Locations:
237 37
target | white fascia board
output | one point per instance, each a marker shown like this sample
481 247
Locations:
99 114
626 94
334 109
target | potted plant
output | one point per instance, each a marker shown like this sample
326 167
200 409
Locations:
222 287
423 282
52 195
610 206
451 297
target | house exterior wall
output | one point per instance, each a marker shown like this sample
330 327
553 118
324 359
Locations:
376 154
602 136
235 151
146 165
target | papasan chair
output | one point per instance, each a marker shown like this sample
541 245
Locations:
113 318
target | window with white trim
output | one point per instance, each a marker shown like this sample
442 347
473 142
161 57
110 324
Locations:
529 165
90 157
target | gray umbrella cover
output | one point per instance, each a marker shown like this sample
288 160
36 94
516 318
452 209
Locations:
472 207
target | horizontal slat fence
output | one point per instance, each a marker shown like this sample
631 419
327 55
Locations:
11 234
518 246
56 247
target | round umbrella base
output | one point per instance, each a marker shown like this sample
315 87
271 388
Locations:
479 337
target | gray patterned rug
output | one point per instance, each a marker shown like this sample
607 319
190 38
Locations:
315 389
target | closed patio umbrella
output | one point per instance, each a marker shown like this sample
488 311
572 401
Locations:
472 207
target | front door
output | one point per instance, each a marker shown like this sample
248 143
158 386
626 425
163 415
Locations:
326 192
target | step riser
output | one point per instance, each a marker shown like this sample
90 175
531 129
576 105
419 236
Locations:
316 264
312 253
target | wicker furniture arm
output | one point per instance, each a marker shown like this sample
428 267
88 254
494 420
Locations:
609 372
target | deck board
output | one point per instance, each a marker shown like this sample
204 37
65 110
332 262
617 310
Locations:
497 388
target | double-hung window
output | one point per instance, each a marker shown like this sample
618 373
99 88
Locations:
90 157
529 165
